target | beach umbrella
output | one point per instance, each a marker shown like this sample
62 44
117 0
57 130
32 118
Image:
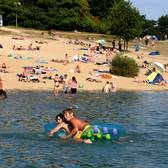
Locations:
41 61
102 42
154 37
159 66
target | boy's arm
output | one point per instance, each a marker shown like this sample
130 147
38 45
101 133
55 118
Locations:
54 130
73 132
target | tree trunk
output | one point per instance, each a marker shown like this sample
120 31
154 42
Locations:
124 45
127 45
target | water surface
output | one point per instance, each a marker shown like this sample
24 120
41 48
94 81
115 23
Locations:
23 142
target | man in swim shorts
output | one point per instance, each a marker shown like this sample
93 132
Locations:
78 126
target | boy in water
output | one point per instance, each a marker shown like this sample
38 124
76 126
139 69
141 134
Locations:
60 125
78 126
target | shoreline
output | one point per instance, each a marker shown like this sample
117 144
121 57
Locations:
85 91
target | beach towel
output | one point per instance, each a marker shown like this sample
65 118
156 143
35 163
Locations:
154 53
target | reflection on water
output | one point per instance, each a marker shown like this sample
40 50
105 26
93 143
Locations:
23 142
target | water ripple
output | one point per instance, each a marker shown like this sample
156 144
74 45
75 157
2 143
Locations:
23 142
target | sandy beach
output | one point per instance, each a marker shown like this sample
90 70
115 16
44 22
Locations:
56 49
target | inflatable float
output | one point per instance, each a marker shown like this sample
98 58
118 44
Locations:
94 132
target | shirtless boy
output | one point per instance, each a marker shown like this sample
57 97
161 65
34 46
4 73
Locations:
78 126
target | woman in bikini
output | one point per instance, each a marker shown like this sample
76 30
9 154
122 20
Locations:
56 85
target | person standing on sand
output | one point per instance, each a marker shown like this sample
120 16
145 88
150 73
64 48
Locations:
106 88
56 85
65 59
2 92
113 87
73 85
65 84
113 44
120 46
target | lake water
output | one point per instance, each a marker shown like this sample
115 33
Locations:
23 143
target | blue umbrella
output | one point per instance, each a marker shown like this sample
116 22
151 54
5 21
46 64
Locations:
102 42
154 37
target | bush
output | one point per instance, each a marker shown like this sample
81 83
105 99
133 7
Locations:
124 66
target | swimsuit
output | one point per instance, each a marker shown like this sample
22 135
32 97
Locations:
56 83
79 134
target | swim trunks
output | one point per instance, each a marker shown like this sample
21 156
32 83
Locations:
79 134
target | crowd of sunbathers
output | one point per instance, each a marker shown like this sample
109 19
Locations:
29 48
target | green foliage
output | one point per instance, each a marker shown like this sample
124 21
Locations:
163 25
149 27
116 17
126 22
100 8
124 66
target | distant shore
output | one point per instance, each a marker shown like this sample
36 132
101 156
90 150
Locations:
56 49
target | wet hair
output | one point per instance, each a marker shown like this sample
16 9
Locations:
59 116
68 110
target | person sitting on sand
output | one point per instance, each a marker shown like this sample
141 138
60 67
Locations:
92 78
61 124
163 83
77 69
138 80
78 126
166 68
30 46
4 66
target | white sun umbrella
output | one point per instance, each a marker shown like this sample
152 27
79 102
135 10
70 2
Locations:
41 61
159 66
102 42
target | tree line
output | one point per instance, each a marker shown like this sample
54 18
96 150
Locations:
116 17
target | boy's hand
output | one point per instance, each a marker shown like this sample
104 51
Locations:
50 134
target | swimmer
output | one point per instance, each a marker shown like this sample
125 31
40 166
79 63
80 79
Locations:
60 125
78 126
